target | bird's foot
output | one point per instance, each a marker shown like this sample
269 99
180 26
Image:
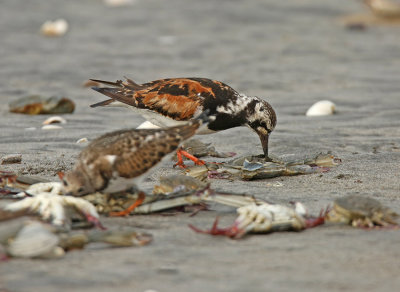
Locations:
180 162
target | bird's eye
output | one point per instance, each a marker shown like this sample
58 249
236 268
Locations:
80 190
261 109
65 182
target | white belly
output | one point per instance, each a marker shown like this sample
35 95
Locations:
155 120
160 120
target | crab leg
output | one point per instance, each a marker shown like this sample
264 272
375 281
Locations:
313 222
196 197
128 210
232 231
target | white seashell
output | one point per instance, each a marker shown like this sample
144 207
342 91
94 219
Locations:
118 2
82 140
147 125
33 240
321 108
54 28
54 120
51 127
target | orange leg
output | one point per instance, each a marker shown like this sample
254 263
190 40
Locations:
128 210
180 163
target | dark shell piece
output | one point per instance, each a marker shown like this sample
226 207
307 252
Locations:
37 105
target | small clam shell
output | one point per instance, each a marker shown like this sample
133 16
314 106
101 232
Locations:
33 240
36 104
51 127
321 108
54 120
82 140
11 159
54 28
118 2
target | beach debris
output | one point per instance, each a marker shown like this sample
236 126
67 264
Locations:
384 8
82 140
27 237
321 108
114 237
172 192
36 104
7 177
177 183
266 218
51 127
54 120
255 167
12 184
34 240
11 159
118 3
47 201
54 28
363 212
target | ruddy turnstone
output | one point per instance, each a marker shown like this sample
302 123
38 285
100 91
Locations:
168 102
120 160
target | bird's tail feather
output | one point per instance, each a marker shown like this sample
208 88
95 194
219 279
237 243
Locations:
102 103
114 94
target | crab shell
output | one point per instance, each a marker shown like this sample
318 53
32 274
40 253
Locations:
268 218
361 211
177 183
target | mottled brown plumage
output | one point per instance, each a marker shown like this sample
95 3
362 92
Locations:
118 160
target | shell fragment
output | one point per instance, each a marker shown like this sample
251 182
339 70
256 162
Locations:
321 108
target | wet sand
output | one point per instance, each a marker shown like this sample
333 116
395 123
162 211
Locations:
292 54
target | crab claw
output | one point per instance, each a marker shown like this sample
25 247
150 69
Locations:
233 231
94 220
313 222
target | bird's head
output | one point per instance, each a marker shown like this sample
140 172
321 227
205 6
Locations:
75 183
261 118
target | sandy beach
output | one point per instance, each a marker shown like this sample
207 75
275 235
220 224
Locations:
291 53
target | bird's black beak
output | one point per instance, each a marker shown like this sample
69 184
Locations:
264 142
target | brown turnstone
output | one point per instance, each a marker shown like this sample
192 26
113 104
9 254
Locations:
120 160
172 101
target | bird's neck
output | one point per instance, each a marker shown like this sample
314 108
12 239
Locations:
234 113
